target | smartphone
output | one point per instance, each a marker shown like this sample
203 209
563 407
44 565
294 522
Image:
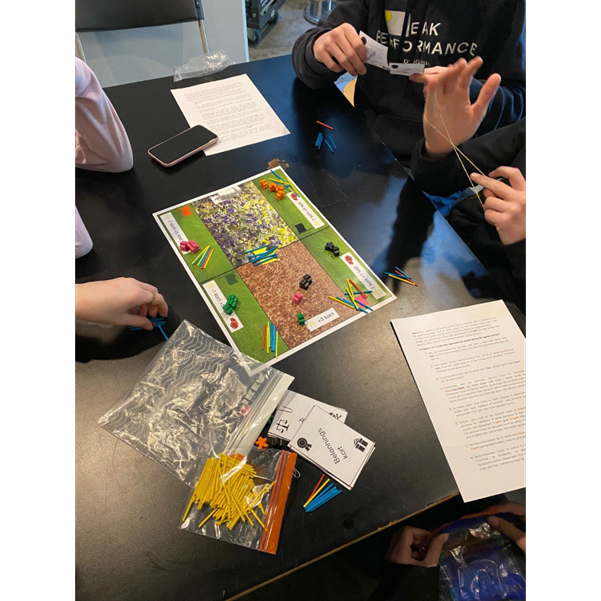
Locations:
183 145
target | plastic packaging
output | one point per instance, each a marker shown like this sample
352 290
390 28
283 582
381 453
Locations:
203 65
242 500
480 564
195 400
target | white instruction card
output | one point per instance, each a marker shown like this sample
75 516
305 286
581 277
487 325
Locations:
377 54
470 367
336 449
291 413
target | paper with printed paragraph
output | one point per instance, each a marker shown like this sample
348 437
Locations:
469 365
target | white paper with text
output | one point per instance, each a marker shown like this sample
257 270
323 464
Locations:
470 367
233 109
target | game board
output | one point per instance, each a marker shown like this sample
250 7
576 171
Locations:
246 216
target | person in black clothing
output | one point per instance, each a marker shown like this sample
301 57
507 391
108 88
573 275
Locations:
435 33
411 571
496 230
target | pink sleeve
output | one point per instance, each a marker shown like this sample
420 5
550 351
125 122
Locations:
101 142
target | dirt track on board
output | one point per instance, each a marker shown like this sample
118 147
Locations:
275 284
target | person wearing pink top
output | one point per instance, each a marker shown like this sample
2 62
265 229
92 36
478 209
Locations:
101 144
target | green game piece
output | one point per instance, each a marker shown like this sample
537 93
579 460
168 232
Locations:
230 305
301 319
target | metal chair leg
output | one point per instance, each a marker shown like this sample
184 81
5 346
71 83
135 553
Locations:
80 48
318 10
203 36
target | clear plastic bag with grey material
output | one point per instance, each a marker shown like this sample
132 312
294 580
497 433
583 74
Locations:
197 398
212 62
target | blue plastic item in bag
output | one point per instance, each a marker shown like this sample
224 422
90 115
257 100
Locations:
480 564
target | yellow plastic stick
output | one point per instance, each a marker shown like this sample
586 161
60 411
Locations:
206 519
316 493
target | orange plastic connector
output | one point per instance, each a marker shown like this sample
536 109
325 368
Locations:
264 183
279 195
272 187
261 443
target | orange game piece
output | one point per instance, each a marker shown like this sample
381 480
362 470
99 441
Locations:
264 183
279 195
272 187
279 188
261 443
186 211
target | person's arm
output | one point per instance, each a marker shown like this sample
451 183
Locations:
341 42
120 302
509 530
451 118
411 571
101 142
504 54
444 176
507 58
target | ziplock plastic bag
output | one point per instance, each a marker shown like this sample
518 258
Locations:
195 400
242 500
480 564
203 65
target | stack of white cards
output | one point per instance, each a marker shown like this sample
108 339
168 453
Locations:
291 412
336 449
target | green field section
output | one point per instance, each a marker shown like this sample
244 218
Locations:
336 267
287 210
249 338
195 229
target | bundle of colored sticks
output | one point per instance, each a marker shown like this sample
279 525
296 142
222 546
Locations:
280 181
157 322
204 257
227 486
262 255
401 275
353 302
321 495
327 138
270 339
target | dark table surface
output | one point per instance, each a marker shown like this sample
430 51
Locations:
128 509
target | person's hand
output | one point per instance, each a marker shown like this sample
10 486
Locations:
509 530
410 546
428 75
449 113
343 44
505 206
120 302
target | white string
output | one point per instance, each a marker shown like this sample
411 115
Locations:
457 153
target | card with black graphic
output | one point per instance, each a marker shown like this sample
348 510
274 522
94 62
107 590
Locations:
293 409
336 449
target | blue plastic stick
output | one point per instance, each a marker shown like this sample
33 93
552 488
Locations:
323 498
328 145
316 502
272 171
253 249
333 143
322 495
363 304
162 332
326 490
319 139
324 501
271 254
407 276
266 258
349 304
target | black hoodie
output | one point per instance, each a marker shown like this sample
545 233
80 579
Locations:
433 32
